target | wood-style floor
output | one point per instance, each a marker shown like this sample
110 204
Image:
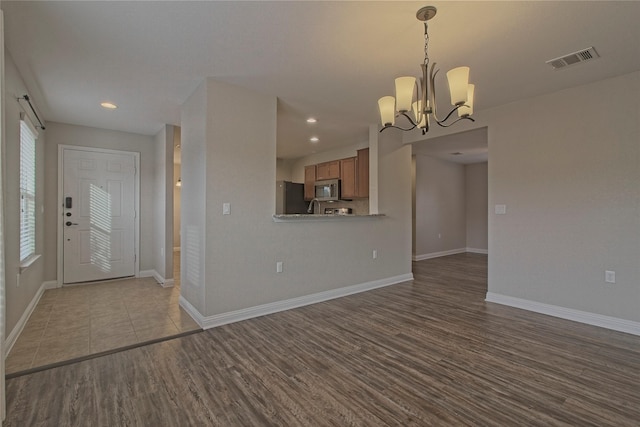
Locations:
429 352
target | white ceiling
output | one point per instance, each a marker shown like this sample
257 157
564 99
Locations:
463 147
330 60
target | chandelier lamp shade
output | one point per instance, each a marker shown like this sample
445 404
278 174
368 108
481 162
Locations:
415 99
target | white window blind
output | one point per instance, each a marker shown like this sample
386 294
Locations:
28 137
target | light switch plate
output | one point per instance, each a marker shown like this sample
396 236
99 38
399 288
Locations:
501 209
226 209
610 276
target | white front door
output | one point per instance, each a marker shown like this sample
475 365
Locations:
98 215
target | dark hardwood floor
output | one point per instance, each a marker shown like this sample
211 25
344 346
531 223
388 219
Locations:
426 352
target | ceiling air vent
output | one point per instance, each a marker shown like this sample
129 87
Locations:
457 153
574 58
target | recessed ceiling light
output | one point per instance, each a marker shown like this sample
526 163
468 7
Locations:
109 105
312 120
314 139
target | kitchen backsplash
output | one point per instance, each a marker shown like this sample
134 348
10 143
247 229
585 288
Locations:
359 206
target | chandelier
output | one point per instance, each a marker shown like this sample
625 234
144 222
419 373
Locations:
418 113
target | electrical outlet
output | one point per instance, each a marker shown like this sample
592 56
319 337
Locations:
374 254
610 276
279 267
226 208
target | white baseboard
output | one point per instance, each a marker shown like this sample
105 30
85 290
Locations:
51 284
274 307
191 311
165 283
147 273
22 322
478 251
439 254
594 319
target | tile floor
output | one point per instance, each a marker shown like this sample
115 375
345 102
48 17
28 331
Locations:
77 321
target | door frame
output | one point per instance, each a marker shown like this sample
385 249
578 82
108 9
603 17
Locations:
60 210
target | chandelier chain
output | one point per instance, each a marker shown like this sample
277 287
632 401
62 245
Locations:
426 45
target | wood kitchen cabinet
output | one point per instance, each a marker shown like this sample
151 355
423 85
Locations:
348 189
362 169
328 170
353 173
309 181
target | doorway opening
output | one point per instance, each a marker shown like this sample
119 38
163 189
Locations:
450 195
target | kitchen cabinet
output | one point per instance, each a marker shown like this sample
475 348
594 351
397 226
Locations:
328 170
348 178
353 173
309 181
362 178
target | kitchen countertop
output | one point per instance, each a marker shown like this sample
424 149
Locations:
322 217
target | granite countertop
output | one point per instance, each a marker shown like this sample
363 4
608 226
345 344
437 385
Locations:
322 217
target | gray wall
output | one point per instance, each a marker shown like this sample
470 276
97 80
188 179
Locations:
65 134
241 250
192 203
283 170
162 246
440 213
20 290
177 191
568 173
476 204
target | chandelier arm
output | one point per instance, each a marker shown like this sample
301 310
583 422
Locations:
413 123
397 127
408 117
450 113
455 121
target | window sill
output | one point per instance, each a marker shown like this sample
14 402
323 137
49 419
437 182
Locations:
28 262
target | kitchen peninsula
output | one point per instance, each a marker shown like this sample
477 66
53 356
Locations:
322 217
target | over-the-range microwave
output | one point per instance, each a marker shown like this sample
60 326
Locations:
327 190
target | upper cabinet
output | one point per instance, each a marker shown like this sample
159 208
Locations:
328 170
309 181
353 173
348 179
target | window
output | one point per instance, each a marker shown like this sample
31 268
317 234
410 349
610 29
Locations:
28 137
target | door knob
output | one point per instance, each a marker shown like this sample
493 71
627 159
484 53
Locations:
69 223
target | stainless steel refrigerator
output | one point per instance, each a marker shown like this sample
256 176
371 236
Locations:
290 198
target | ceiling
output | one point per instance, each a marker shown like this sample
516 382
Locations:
329 60
462 147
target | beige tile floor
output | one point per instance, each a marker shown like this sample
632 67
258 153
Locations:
77 321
